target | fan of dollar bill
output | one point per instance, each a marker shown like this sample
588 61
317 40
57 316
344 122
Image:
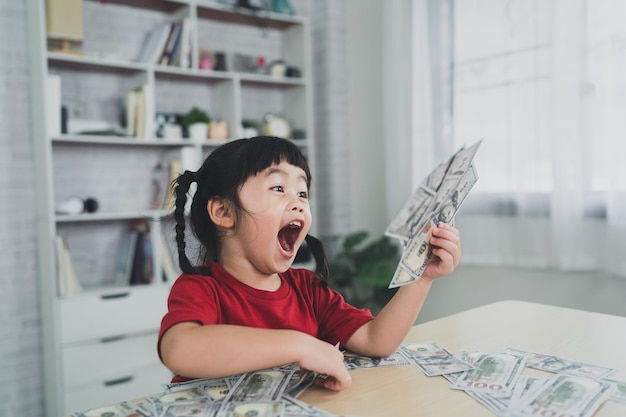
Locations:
437 199
494 379
497 380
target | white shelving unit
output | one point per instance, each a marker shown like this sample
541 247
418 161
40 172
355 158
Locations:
100 345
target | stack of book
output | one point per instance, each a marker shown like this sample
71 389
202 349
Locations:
168 44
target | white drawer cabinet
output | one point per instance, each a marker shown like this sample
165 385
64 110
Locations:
135 383
120 312
108 360
109 346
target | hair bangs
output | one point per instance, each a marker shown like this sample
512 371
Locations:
262 152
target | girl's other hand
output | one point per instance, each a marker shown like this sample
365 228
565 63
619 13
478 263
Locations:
326 360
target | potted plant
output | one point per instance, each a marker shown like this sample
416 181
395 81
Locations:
196 121
250 127
362 270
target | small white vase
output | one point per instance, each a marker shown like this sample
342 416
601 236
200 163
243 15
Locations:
199 131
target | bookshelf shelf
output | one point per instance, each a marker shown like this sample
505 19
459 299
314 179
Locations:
117 92
94 62
121 141
148 215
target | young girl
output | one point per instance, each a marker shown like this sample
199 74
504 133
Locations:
245 308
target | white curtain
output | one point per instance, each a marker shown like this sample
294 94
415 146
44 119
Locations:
543 83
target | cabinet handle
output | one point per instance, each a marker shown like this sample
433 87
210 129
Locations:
118 381
112 339
113 296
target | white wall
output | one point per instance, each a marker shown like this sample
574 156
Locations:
365 98
20 356
379 95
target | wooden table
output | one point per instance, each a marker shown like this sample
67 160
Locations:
593 338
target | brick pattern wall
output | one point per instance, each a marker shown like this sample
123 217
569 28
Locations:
331 117
20 356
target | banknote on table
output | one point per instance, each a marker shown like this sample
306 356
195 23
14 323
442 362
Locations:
495 405
294 407
564 395
217 388
160 401
426 350
524 388
494 373
434 359
191 408
354 361
263 385
254 408
555 364
299 382
619 394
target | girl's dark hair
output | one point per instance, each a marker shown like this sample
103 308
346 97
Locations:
221 175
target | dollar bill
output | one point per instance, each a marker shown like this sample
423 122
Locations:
442 185
264 385
425 350
619 394
555 364
414 224
256 409
565 395
495 405
433 359
300 381
493 373
161 401
191 408
525 386
463 159
406 223
354 361
294 407
415 257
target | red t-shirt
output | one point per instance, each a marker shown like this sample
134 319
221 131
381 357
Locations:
302 303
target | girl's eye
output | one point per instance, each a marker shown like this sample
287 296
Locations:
303 194
278 188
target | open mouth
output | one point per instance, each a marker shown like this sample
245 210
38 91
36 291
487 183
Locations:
288 235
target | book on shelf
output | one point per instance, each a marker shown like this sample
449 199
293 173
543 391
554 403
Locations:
184 49
168 44
154 43
170 273
172 42
163 175
174 171
143 271
125 256
138 107
140 113
53 104
67 283
131 112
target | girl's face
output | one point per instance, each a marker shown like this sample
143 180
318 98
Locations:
276 217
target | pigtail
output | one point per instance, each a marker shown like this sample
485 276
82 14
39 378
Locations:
181 188
322 268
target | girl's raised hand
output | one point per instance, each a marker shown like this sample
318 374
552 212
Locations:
446 251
